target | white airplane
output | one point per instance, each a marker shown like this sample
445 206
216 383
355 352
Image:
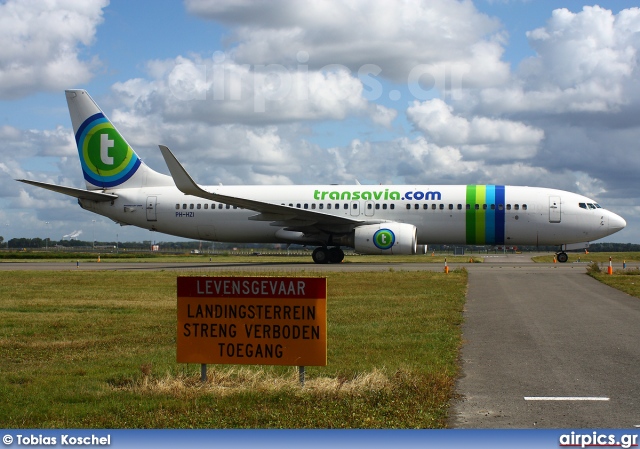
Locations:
372 219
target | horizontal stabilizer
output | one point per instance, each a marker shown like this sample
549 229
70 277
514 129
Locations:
72 191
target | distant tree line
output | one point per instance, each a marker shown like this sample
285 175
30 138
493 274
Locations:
32 243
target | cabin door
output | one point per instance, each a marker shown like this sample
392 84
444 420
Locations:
151 208
555 210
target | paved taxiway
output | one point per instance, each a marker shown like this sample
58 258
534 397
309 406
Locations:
558 334
531 331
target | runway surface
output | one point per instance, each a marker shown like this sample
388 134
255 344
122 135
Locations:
544 346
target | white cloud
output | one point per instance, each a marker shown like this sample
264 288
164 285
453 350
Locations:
444 35
478 137
586 62
41 44
197 89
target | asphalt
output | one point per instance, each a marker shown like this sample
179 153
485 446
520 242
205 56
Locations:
531 333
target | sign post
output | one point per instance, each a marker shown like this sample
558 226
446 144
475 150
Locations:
252 321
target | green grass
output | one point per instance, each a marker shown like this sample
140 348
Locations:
71 258
97 350
593 257
627 280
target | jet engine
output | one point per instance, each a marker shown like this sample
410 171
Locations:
385 238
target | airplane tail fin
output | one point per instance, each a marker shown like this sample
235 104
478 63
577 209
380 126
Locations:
107 160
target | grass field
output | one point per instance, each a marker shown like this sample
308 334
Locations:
593 257
627 280
71 258
97 350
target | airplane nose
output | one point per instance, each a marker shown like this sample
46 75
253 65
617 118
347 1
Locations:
616 222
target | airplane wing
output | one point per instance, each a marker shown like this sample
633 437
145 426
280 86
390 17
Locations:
291 218
71 191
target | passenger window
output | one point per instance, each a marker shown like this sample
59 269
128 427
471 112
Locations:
355 205
199 206
298 205
235 207
416 207
459 206
329 206
384 207
190 206
450 206
313 206
493 207
177 206
508 206
206 206
228 206
500 206
477 207
369 206
392 206
524 207
433 207
306 205
290 204
425 206
377 206
484 207
442 207
516 206
346 206
468 206
184 206
320 206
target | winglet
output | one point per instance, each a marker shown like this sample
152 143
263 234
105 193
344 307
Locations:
184 182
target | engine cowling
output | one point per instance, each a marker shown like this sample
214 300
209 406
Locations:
385 238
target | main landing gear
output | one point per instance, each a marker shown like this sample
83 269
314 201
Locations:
322 254
562 257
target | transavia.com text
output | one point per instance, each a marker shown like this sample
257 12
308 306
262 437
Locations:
63 440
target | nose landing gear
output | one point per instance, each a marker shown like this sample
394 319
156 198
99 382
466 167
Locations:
562 257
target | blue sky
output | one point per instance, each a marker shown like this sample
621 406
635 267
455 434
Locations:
511 93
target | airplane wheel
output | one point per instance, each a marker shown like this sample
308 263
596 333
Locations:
320 255
562 257
336 255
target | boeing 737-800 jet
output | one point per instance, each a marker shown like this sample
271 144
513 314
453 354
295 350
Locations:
376 219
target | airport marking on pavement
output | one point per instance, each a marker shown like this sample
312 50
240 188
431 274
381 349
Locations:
564 398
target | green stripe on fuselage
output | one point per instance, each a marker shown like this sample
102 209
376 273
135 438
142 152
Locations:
471 215
481 199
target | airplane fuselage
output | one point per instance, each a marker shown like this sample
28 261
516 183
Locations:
442 214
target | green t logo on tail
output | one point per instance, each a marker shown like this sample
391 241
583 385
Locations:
107 159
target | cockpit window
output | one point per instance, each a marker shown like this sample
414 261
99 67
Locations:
582 205
597 205
591 205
